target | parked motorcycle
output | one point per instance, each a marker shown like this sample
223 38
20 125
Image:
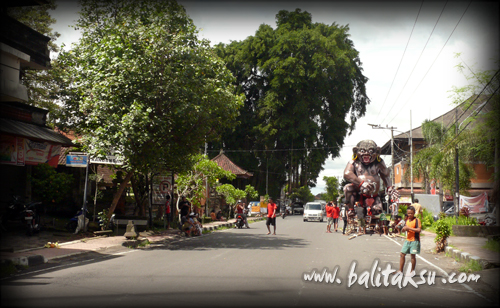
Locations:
32 217
15 210
73 222
283 214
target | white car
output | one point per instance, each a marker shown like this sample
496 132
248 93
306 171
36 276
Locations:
313 212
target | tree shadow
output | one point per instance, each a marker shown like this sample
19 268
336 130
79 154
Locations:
230 240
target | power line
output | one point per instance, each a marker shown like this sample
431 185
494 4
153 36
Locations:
458 134
400 61
471 104
432 63
283 150
420 56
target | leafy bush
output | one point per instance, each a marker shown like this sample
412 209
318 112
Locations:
427 219
402 210
452 221
49 186
443 231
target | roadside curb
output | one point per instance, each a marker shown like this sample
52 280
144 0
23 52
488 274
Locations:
463 256
38 259
455 253
228 224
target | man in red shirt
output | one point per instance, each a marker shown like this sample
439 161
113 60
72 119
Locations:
335 215
329 216
271 216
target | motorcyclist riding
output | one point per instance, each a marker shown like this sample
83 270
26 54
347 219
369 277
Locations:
240 211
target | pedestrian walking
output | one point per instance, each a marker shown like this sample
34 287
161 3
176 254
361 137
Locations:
412 243
329 217
394 210
343 214
271 216
360 213
336 214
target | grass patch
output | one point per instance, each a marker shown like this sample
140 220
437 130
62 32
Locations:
493 244
471 266
144 243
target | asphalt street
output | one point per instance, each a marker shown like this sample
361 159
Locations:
246 267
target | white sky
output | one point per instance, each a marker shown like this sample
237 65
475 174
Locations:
380 32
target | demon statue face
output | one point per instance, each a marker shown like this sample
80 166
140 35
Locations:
366 152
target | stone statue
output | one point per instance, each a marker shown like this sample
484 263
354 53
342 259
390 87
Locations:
364 172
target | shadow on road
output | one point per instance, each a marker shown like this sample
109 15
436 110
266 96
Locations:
90 257
232 241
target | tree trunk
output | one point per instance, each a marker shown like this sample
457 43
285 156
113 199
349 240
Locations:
137 195
118 194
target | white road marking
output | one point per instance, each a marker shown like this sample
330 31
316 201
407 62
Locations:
444 273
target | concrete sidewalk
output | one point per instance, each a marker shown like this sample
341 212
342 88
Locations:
40 255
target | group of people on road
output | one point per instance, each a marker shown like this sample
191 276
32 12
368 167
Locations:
410 224
332 216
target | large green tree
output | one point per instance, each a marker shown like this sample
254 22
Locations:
301 81
141 85
332 188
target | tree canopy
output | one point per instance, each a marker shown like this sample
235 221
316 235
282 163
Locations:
301 81
332 188
141 85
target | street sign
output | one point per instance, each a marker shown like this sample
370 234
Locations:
162 186
76 161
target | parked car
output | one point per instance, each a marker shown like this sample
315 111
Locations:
313 212
449 208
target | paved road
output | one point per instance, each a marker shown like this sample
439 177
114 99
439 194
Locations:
241 267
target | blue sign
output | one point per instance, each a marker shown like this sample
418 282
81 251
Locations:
76 161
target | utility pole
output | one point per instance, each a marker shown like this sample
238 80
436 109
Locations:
457 183
410 142
411 157
377 126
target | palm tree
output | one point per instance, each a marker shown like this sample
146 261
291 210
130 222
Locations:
437 159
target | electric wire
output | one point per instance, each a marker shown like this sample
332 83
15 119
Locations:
416 63
432 64
471 104
400 61
462 130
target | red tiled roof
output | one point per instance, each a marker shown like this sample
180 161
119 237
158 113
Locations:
225 163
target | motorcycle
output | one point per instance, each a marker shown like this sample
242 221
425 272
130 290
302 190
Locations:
283 214
32 218
72 224
15 211
240 222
